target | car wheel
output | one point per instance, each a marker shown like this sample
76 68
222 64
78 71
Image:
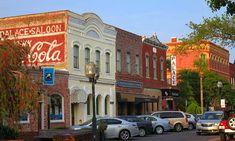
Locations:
190 126
159 130
142 132
231 122
178 127
124 135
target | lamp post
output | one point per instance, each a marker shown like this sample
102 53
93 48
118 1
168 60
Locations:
222 102
91 72
201 92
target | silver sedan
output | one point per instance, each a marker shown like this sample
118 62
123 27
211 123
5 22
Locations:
159 125
116 128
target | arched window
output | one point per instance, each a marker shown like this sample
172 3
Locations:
97 59
56 107
93 34
98 105
107 105
87 55
76 56
119 60
128 62
162 68
154 67
107 62
89 104
137 64
147 65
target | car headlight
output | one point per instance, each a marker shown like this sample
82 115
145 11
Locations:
216 124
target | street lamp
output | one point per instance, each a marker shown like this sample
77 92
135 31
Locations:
222 102
91 72
201 92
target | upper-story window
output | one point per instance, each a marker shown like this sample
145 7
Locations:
97 59
93 34
56 108
154 67
75 56
119 61
147 65
137 64
128 62
162 68
87 55
107 62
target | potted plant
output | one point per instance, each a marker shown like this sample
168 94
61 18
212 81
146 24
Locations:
8 133
101 129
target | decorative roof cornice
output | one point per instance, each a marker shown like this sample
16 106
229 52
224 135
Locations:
153 40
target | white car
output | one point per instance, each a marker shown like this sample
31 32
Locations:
159 125
116 128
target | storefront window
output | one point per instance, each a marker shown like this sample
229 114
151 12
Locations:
56 107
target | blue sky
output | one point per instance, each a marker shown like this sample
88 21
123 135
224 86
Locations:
166 18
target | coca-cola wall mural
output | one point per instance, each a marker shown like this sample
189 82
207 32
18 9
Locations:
46 42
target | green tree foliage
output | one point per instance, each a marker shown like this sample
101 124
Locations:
17 92
215 5
194 108
218 29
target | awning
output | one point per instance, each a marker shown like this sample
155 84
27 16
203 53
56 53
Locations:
78 96
137 98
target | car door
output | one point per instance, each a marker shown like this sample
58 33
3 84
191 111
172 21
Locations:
113 128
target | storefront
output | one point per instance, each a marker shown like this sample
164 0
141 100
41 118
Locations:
169 95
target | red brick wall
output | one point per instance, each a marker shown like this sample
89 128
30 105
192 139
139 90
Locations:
151 82
60 87
128 42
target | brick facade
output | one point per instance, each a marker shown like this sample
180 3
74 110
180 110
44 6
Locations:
232 74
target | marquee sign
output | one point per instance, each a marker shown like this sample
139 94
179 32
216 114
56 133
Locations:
173 71
46 42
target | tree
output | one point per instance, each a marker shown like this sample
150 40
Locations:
218 29
18 94
215 5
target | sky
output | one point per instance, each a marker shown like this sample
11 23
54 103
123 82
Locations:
166 18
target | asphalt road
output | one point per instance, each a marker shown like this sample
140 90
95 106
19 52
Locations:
175 136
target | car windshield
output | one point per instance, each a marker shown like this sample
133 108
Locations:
211 116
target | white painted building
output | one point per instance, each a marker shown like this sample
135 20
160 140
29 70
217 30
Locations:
90 40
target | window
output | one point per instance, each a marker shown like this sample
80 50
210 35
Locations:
98 105
119 62
97 59
113 121
107 104
154 67
137 64
24 118
107 62
147 65
87 55
89 104
56 107
128 62
162 69
75 56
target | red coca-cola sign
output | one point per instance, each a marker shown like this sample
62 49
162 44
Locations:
46 42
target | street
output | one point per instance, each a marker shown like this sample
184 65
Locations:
175 136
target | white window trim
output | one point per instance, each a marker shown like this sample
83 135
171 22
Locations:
28 121
62 120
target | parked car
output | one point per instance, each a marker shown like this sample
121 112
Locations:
145 127
159 125
177 119
209 122
227 126
116 128
191 121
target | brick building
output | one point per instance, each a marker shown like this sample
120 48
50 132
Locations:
154 72
217 58
129 84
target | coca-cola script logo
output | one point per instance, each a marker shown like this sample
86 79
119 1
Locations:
49 54
46 49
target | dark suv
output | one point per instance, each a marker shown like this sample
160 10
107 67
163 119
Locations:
227 126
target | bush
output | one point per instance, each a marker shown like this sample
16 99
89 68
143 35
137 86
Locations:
8 133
